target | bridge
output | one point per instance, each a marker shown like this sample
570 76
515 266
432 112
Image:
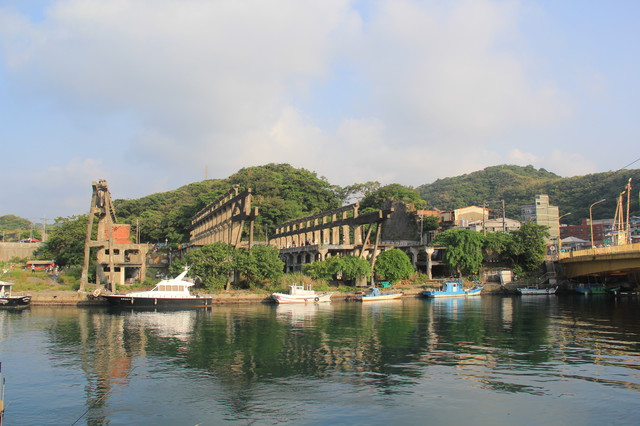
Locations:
622 260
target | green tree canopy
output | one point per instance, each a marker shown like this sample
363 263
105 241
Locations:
216 263
213 263
529 245
464 254
356 192
281 193
65 241
261 263
393 265
376 200
348 268
11 222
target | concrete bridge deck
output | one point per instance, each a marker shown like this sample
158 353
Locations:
614 260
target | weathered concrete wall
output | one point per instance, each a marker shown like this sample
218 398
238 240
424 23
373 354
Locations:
10 250
401 225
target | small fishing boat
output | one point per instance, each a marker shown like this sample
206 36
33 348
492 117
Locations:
589 289
374 294
531 291
299 294
7 301
168 293
453 289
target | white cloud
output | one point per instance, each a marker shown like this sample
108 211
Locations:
454 72
224 83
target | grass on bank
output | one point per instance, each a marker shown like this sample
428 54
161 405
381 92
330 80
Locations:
69 279
41 281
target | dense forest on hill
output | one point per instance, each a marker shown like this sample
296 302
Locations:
282 193
517 186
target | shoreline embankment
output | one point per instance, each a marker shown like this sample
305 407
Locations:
78 298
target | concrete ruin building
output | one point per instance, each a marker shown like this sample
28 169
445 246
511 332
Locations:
118 259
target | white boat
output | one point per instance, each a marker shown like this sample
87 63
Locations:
528 291
375 294
7 301
299 294
168 293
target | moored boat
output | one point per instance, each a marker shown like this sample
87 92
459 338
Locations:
589 289
375 294
7 301
453 289
168 293
530 291
299 294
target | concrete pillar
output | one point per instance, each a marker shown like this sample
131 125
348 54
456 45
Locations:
429 251
322 254
357 235
414 256
335 235
346 236
326 236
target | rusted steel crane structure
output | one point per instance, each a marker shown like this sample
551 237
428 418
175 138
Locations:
118 259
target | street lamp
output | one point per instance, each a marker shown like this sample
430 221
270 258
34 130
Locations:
591 219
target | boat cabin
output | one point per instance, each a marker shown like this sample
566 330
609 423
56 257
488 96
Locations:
452 286
172 287
374 291
299 290
5 289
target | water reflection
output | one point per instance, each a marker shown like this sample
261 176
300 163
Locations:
242 354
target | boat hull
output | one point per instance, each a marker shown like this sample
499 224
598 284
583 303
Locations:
537 291
438 294
15 302
367 298
157 302
312 298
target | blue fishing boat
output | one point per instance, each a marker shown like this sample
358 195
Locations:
453 289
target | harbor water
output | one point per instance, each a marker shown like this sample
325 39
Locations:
553 360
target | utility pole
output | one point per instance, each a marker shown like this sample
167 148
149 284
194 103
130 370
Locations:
484 209
44 229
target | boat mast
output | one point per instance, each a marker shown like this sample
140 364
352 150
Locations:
628 228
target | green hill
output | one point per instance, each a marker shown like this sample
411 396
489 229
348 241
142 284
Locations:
281 193
517 186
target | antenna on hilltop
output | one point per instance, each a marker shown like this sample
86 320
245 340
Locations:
206 172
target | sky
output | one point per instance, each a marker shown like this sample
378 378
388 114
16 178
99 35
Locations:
154 94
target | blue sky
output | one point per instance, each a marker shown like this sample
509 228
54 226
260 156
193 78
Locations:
147 93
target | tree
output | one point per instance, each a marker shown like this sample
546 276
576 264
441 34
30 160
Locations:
10 222
65 242
356 192
376 199
213 263
351 268
393 265
319 270
464 250
529 245
499 245
430 223
261 263
347 268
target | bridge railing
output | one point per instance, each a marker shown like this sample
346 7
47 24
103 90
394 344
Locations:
625 248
